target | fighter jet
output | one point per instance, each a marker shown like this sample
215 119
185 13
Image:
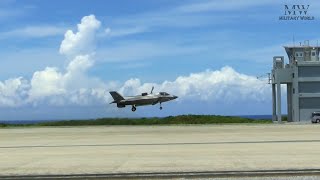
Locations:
141 100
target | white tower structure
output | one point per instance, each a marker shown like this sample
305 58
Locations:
302 77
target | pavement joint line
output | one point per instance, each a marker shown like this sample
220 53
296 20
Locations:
160 144
194 174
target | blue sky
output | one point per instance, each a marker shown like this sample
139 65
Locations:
206 52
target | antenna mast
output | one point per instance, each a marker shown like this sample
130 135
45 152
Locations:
294 44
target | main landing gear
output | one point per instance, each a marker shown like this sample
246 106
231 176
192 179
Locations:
133 109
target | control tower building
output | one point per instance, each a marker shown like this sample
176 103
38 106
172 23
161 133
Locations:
302 77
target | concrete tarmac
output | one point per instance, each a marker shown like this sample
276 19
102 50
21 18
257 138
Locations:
141 149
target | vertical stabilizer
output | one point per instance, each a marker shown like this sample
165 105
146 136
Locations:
116 96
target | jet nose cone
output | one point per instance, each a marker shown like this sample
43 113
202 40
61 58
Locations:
175 97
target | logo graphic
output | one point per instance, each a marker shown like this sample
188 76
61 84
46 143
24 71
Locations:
296 12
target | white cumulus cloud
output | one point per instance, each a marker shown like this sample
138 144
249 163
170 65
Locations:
81 41
46 83
225 85
72 85
13 92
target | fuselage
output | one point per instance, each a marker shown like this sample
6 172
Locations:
149 99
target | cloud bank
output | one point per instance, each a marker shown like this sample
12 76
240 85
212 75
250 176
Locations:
225 85
73 86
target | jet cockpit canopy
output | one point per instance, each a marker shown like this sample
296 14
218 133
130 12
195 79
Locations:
163 94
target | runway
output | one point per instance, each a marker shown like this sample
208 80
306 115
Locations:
125 150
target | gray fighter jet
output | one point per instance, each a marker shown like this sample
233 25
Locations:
141 100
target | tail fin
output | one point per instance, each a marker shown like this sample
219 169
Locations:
116 96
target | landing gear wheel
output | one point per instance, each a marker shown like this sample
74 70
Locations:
133 109
160 107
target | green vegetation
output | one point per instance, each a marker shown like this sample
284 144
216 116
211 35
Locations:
3 125
171 120
284 118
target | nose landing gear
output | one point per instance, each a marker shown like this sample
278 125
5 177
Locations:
160 106
133 109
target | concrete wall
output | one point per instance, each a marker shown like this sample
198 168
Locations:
305 114
283 75
308 106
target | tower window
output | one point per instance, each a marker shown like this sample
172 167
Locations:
299 54
313 54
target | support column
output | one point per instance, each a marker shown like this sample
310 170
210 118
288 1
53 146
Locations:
279 102
289 101
274 107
